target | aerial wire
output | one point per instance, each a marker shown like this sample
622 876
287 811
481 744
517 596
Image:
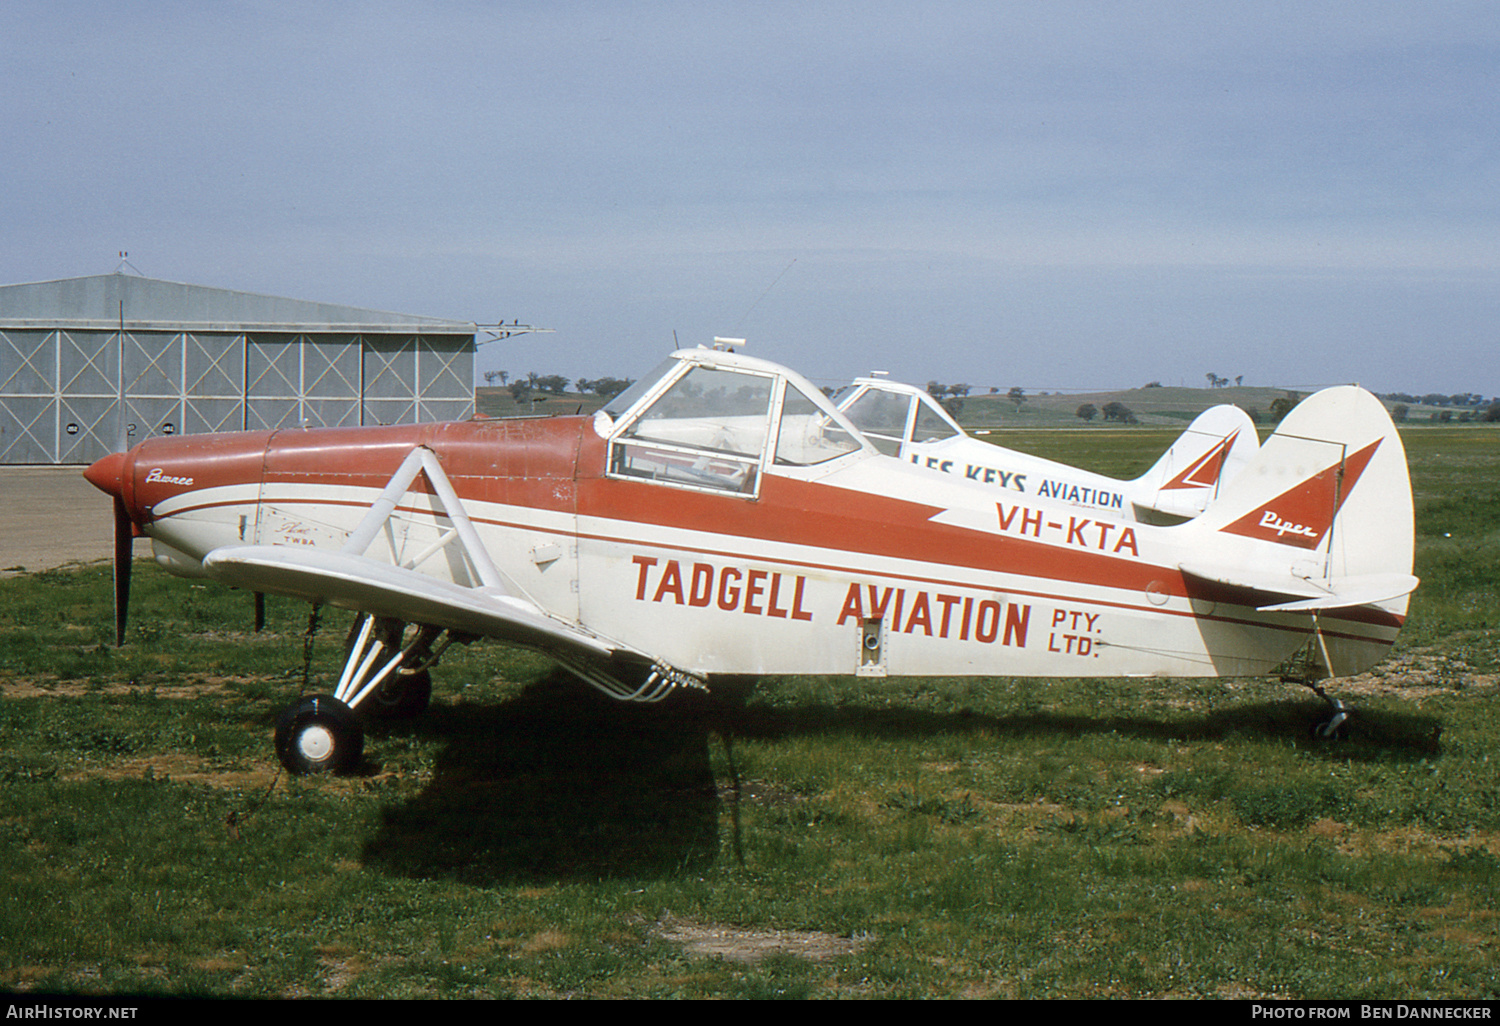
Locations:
763 295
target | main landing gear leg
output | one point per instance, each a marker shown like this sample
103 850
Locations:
385 676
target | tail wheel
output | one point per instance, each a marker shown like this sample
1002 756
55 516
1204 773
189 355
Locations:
319 734
1335 729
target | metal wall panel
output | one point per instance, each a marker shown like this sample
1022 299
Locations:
88 363
273 376
28 396
89 427
445 380
213 375
29 362
28 429
331 380
88 377
302 380
60 390
390 369
153 364
417 379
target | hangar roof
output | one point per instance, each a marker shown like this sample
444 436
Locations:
103 301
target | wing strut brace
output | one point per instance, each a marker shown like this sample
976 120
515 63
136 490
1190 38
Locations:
418 460
376 654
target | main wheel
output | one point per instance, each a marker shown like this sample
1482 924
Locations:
319 734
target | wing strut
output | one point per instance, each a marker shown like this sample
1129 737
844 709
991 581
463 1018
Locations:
419 460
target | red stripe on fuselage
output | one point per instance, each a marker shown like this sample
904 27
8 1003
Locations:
557 464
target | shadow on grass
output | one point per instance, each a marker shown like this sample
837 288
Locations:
1373 734
560 783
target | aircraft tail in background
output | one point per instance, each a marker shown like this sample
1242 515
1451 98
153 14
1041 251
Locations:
1217 445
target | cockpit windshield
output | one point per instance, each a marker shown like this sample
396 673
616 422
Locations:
718 423
626 399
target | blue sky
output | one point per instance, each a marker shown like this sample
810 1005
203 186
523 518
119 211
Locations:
1061 194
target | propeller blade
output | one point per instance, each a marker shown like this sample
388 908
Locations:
124 551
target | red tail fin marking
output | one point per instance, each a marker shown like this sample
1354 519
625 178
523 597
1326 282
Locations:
1205 470
1302 515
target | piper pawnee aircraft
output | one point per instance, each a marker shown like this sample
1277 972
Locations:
902 420
722 517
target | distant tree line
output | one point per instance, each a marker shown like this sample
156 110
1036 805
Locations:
1401 413
950 396
1462 407
522 389
1470 399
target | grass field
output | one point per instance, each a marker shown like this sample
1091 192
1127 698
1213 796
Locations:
824 837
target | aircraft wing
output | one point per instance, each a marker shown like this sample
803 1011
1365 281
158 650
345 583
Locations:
360 583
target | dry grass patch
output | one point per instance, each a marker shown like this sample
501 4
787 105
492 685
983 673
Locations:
735 944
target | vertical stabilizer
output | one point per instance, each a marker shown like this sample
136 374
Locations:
1319 524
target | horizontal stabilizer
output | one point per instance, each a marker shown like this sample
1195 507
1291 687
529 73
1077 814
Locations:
1352 591
360 583
1289 593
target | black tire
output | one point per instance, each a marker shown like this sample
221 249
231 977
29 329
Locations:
319 734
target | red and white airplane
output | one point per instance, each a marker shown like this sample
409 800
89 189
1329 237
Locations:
722 517
902 420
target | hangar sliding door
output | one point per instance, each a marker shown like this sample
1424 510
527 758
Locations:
28 397
59 400
301 381
213 382
415 379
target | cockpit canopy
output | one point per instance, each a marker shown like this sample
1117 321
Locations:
893 416
717 421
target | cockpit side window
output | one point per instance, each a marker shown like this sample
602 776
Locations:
707 430
931 426
805 435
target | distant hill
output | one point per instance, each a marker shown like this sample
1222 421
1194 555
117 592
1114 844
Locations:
1166 406
1153 407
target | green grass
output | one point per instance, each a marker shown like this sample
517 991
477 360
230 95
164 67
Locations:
989 837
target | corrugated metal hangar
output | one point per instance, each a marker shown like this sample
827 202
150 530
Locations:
89 366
